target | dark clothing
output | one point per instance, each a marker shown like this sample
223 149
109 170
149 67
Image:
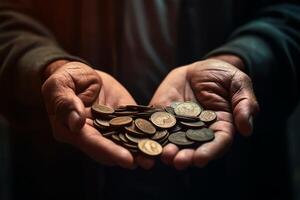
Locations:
265 34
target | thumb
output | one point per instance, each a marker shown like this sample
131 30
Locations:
70 111
62 103
244 104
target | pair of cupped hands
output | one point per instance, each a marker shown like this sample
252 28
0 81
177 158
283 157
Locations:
71 88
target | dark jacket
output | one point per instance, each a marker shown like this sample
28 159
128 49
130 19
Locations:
33 33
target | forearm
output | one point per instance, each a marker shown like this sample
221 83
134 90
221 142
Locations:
269 48
26 48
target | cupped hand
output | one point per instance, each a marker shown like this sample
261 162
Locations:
218 86
69 91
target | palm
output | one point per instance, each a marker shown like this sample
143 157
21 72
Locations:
212 84
69 94
112 94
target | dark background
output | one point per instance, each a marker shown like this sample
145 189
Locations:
292 142
293 134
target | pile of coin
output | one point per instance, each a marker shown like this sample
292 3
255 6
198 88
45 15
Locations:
147 129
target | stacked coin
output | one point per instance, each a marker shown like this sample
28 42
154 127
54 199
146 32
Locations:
147 129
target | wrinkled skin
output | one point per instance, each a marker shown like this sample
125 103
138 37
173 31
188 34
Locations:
69 92
216 85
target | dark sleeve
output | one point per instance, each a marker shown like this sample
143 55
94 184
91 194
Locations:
270 48
26 47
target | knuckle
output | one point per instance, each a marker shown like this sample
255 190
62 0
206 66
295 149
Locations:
246 79
62 104
54 82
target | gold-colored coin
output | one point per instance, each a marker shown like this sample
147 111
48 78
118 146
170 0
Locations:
133 131
150 147
120 121
208 116
174 104
159 135
102 109
163 119
103 123
197 124
188 109
145 126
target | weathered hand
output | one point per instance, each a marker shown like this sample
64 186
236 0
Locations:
69 92
218 86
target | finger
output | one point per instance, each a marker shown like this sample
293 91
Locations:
212 150
116 97
100 148
183 159
64 105
145 163
169 153
62 102
244 106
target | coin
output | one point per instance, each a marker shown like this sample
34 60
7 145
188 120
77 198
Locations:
121 109
102 123
102 109
148 113
159 135
145 126
163 119
131 146
180 139
98 126
150 147
110 133
144 114
132 138
200 135
165 143
133 131
197 124
170 110
116 138
129 125
189 109
123 138
120 121
175 128
125 113
208 116
134 151
138 107
162 140
174 104
187 119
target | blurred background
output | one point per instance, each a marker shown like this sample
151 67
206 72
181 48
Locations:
292 142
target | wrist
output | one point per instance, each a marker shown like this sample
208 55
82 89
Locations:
52 67
231 59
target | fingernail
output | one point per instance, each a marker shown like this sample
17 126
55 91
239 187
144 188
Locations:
75 121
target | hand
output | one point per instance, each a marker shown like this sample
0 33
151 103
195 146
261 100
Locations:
218 86
69 91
